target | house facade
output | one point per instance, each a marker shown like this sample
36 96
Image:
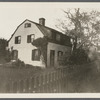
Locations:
20 44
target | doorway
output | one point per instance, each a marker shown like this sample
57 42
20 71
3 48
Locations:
52 58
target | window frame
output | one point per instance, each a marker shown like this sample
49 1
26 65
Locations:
14 54
29 39
58 37
17 41
61 53
34 58
27 25
59 56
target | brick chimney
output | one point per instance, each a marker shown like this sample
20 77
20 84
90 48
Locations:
42 21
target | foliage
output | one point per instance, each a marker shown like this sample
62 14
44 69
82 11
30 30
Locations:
41 43
8 56
3 51
18 63
3 44
79 56
82 24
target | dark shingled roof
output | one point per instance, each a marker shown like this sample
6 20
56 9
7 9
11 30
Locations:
45 30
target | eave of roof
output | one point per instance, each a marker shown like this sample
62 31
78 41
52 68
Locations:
16 30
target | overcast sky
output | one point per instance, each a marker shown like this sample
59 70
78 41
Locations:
12 14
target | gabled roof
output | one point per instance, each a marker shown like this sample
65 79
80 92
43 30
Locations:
44 29
16 30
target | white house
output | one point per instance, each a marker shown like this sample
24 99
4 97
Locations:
20 44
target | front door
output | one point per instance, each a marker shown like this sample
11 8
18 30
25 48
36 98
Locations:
52 58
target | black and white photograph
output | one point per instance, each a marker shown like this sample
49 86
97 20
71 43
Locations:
48 47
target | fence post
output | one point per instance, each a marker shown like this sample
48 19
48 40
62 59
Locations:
45 86
21 86
8 88
14 87
27 86
39 86
41 83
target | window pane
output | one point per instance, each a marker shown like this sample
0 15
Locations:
30 38
60 54
57 37
27 25
36 54
14 55
18 40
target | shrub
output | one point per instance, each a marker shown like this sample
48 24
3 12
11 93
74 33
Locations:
18 63
79 56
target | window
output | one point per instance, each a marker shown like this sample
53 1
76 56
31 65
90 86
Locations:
27 25
36 54
58 37
60 54
18 40
60 57
30 38
14 55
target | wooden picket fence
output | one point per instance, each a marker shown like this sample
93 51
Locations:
51 82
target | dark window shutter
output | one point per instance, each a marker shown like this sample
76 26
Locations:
28 38
16 40
33 54
39 54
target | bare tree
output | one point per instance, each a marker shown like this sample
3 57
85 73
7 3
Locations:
81 25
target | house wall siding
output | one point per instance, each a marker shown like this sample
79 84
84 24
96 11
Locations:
56 48
24 48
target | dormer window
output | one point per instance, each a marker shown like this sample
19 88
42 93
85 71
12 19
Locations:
30 38
27 25
18 40
58 37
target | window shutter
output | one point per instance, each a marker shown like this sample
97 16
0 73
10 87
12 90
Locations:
39 54
28 38
33 54
15 40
